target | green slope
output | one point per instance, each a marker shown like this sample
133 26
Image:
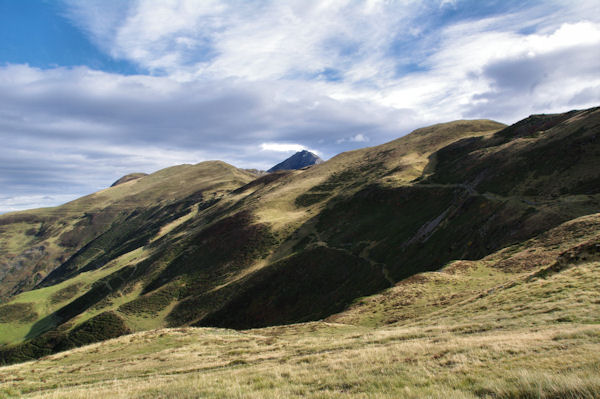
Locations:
210 245
521 323
33 243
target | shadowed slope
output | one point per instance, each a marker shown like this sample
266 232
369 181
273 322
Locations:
503 327
300 245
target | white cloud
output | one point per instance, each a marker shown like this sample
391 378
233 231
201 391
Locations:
280 147
346 50
77 130
456 77
359 138
265 40
287 147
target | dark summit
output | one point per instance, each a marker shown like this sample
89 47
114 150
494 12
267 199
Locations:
299 160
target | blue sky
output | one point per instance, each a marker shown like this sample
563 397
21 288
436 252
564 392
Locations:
39 34
92 90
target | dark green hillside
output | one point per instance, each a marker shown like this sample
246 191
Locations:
307 286
102 327
418 228
212 245
541 156
222 249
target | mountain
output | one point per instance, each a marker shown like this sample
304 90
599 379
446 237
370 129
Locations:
299 160
523 322
210 245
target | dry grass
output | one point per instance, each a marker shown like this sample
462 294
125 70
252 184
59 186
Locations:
321 360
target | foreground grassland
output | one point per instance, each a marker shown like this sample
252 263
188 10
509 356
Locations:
521 323
323 360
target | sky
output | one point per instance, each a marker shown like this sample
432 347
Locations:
96 89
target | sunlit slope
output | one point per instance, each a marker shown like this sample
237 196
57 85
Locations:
33 243
302 245
291 198
522 322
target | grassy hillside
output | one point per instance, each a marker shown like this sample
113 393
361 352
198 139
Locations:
524 322
34 243
211 245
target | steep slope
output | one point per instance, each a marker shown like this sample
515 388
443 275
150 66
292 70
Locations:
299 160
543 155
366 205
495 287
301 245
33 243
521 323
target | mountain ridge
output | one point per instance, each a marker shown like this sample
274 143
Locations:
213 245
